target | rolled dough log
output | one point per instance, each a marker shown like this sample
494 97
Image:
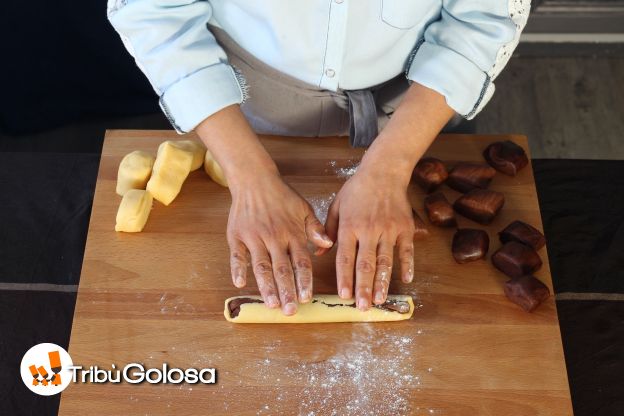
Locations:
197 148
213 169
172 166
322 308
134 171
133 211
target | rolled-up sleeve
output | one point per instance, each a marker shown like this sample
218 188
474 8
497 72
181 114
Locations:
180 57
462 53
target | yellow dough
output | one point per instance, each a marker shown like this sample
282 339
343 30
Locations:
322 308
197 148
133 211
213 170
172 166
134 171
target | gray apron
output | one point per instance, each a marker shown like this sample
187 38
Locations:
278 104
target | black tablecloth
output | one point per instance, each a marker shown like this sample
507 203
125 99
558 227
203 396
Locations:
45 213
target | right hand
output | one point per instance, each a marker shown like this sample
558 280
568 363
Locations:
268 221
272 224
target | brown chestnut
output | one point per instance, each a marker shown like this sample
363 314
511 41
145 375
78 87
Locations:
523 233
420 229
429 173
467 176
470 245
439 210
526 291
506 157
480 205
515 259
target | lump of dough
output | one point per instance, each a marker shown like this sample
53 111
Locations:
134 171
133 211
196 148
213 170
172 166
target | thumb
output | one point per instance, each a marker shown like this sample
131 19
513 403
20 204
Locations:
315 232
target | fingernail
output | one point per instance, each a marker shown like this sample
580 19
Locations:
290 308
240 282
272 301
305 295
362 304
325 238
345 293
409 276
379 298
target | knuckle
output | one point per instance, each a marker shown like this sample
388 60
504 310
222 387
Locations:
238 257
364 266
282 271
344 260
262 267
303 263
384 261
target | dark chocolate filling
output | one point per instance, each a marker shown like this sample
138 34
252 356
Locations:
235 304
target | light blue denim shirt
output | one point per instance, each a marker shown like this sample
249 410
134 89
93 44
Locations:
455 47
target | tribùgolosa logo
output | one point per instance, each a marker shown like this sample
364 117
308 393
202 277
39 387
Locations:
45 369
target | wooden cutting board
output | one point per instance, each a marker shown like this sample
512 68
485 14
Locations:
158 297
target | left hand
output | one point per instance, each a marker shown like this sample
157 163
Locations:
375 216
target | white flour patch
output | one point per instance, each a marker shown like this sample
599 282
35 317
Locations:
344 171
320 205
369 374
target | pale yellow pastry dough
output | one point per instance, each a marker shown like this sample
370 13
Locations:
134 171
197 148
172 166
213 170
133 211
317 311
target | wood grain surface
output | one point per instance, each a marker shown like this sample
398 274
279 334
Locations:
158 297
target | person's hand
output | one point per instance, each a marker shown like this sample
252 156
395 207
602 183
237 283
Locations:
270 222
370 216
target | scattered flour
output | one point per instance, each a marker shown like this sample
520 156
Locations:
321 206
370 374
345 171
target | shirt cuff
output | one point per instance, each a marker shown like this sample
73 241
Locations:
199 95
464 85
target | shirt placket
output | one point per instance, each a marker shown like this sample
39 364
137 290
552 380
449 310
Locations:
334 50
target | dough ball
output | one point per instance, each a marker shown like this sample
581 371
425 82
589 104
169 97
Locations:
171 168
197 148
213 170
134 171
133 211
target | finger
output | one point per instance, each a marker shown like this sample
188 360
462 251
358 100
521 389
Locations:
284 278
365 272
405 246
383 271
420 228
238 262
263 271
331 226
302 265
345 261
315 232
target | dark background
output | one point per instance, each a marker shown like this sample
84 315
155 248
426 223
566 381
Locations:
66 78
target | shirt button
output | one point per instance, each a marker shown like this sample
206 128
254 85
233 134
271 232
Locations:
330 72
338 1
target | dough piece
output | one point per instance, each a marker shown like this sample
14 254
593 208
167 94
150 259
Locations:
197 148
213 170
171 168
322 308
134 171
133 211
